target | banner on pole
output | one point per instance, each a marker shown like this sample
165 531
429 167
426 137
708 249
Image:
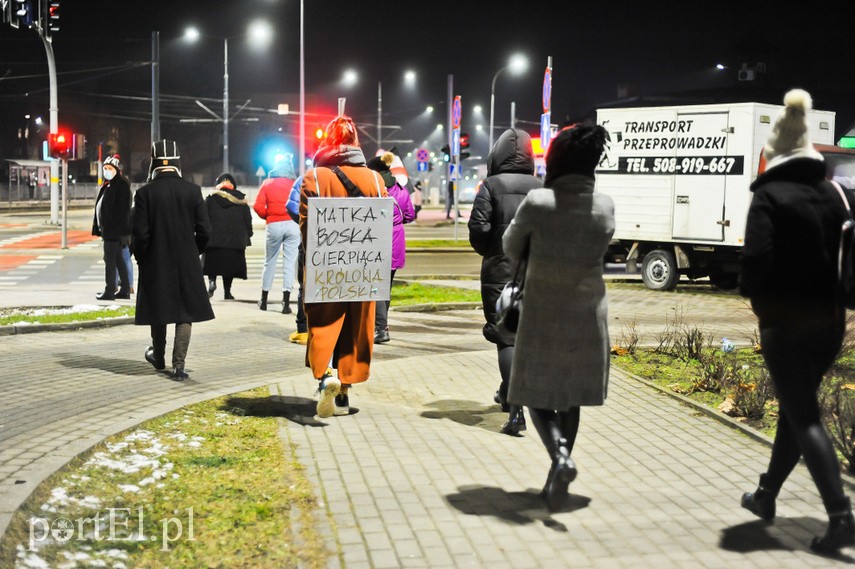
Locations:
348 249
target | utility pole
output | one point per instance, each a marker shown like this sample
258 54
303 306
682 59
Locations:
155 87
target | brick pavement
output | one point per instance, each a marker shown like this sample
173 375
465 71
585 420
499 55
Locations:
420 477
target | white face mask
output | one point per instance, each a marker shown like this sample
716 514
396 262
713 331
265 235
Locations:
109 174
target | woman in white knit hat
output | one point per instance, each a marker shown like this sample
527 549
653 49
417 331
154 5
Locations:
789 272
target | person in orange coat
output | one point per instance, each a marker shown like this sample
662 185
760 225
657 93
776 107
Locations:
341 333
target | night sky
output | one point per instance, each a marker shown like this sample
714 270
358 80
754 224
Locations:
650 48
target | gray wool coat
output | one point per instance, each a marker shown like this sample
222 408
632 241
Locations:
561 358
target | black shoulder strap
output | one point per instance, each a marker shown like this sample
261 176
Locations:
348 185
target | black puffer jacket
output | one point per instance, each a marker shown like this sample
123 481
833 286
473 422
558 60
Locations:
510 168
792 238
231 221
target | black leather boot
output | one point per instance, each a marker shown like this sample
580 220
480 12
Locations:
262 304
286 302
563 470
562 473
840 532
155 356
761 503
516 422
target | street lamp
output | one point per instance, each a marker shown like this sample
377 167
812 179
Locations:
259 32
350 78
517 65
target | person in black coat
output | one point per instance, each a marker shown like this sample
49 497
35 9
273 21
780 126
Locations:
170 230
510 176
112 222
231 229
789 271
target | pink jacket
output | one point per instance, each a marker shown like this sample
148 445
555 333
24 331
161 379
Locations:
404 213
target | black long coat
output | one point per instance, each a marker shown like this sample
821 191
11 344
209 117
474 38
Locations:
170 230
510 176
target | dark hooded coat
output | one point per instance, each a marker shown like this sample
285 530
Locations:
510 169
170 230
231 221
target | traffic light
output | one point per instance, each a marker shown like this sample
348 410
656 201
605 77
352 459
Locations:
51 23
21 12
446 153
60 144
464 145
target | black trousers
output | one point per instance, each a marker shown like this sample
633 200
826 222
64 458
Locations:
302 324
799 346
113 261
381 309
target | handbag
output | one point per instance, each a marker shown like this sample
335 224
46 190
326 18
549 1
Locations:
509 303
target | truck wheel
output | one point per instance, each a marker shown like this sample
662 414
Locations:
659 270
724 281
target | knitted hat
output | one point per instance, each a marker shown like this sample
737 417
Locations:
226 181
378 164
113 161
790 136
382 164
164 155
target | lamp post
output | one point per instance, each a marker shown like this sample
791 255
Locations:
350 78
517 64
258 30
226 105
302 95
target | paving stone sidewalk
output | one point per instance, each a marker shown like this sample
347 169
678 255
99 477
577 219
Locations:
418 476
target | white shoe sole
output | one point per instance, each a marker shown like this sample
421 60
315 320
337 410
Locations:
341 411
326 402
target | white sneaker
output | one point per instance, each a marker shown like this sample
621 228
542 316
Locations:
328 389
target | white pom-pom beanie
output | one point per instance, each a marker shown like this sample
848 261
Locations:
790 136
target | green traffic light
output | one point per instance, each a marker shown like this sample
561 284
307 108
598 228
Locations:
847 142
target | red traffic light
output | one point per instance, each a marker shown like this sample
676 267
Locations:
464 140
59 144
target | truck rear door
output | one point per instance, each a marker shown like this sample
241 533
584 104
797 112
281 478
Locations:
700 178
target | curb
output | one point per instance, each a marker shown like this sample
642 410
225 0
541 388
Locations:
848 480
64 326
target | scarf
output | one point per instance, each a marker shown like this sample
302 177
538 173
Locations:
344 155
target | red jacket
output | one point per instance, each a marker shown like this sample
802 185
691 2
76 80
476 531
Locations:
270 204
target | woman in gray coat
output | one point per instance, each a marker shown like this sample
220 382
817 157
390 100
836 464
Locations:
561 361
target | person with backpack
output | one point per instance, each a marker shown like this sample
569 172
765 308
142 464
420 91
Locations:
789 271
341 334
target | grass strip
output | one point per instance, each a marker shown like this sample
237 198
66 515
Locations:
682 377
48 315
204 486
438 243
404 294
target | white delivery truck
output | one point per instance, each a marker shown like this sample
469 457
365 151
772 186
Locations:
680 177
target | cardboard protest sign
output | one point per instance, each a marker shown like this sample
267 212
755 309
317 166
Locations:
348 249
